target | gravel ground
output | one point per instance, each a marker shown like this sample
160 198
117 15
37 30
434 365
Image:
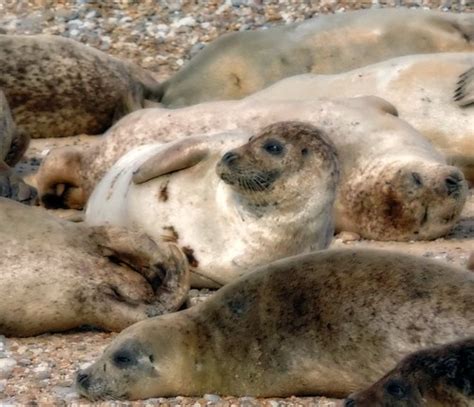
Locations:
162 36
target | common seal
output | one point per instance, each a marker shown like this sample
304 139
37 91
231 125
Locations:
59 87
57 275
242 63
442 376
428 91
394 185
328 322
13 144
230 203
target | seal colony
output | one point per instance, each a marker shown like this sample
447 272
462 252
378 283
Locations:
13 144
57 275
329 322
238 64
58 87
440 376
432 92
230 203
394 184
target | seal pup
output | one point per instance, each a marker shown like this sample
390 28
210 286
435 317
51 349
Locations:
58 87
13 144
239 64
230 203
441 376
432 92
324 323
57 275
394 184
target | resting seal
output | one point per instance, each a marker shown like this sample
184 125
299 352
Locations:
230 203
428 91
442 376
13 144
58 87
58 275
242 63
325 323
394 185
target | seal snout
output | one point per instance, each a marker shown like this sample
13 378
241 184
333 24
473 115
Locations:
454 184
230 158
83 380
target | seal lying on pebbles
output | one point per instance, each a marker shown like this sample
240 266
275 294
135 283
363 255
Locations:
58 275
394 185
442 376
229 209
58 87
420 86
13 144
239 64
328 322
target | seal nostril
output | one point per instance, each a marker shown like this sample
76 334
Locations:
349 403
83 379
229 157
453 184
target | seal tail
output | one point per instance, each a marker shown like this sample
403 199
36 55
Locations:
464 92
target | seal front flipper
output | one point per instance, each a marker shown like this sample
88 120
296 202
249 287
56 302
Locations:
464 92
163 265
173 157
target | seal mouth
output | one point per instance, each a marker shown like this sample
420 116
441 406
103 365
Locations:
257 182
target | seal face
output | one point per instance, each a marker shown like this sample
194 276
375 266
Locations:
229 208
441 376
301 318
94 286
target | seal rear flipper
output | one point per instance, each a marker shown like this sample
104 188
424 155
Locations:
163 265
175 156
464 92
13 187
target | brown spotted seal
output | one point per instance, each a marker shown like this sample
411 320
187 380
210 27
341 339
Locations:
58 87
394 185
58 275
230 203
432 92
13 144
328 322
442 376
239 64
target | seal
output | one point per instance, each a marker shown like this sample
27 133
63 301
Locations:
58 87
228 202
13 144
420 86
57 275
394 184
440 376
324 323
239 64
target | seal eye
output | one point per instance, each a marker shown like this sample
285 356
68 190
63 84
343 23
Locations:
273 147
396 389
123 359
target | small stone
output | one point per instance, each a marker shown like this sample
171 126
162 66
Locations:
42 372
24 362
214 398
3 384
346 236
6 367
186 22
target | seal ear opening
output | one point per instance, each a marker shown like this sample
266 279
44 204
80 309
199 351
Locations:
172 157
59 179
